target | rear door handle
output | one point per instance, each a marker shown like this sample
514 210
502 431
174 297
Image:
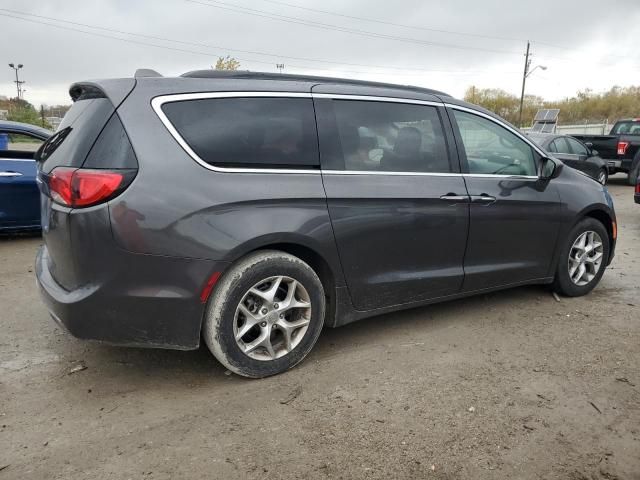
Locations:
10 174
453 198
483 199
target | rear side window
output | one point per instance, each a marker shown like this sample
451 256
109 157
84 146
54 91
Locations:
248 132
628 127
388 137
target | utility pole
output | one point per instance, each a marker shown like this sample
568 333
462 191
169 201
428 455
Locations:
17 80
527 63
42 114
280 67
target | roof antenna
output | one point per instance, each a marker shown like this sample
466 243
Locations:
145 72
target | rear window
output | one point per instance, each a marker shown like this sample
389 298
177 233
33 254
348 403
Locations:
76 134
248 132
626 128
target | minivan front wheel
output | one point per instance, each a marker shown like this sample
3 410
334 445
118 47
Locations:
265 314
583 259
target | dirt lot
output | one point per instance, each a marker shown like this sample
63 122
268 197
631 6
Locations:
508 385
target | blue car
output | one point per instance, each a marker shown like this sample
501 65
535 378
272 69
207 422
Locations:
19 193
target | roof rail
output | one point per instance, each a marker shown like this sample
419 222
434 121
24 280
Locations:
145 72
246 74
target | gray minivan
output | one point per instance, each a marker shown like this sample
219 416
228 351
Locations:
253 209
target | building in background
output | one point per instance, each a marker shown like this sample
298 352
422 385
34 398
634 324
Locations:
54 122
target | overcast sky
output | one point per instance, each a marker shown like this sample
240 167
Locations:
446 45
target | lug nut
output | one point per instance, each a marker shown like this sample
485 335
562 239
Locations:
275 305
264 311
281 315
263 324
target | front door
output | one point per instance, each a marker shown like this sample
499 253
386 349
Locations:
513 224
397 202
19 194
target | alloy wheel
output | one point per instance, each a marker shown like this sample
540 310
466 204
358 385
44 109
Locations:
585 258
272 318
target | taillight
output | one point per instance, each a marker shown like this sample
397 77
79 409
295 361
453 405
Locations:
77 187
638 188
622 147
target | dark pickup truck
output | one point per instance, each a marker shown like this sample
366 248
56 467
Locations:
620 149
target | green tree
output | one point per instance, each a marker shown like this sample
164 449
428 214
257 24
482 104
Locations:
20 110
585 106
226 63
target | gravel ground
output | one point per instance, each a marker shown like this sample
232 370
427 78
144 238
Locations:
509 385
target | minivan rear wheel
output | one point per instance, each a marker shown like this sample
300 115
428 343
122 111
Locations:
583 259
265 314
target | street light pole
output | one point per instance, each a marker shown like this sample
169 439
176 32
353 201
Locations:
527 62
17 81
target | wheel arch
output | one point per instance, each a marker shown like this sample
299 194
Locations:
599 212
603 217
327 268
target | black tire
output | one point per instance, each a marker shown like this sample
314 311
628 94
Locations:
634 173
562 283
603 176
218 329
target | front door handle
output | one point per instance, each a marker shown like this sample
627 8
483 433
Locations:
10 174
453 198
483 199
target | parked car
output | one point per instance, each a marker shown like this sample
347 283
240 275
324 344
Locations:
19 194
251 210
636 195
620 149
574 153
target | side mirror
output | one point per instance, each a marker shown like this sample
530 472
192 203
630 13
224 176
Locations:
550 168
589 145
595 153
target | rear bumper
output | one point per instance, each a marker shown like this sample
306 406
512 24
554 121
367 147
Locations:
155 302
619 165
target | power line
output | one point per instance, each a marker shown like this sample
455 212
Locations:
405 71
393 24
196 44
328 26
427 29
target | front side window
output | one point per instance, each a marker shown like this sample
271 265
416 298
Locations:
577 147
390 137
248 132
561 146
492 149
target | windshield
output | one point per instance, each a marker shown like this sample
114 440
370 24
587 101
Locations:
631 127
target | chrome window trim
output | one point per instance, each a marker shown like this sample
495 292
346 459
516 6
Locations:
429 174
372 98
390 173
159 101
